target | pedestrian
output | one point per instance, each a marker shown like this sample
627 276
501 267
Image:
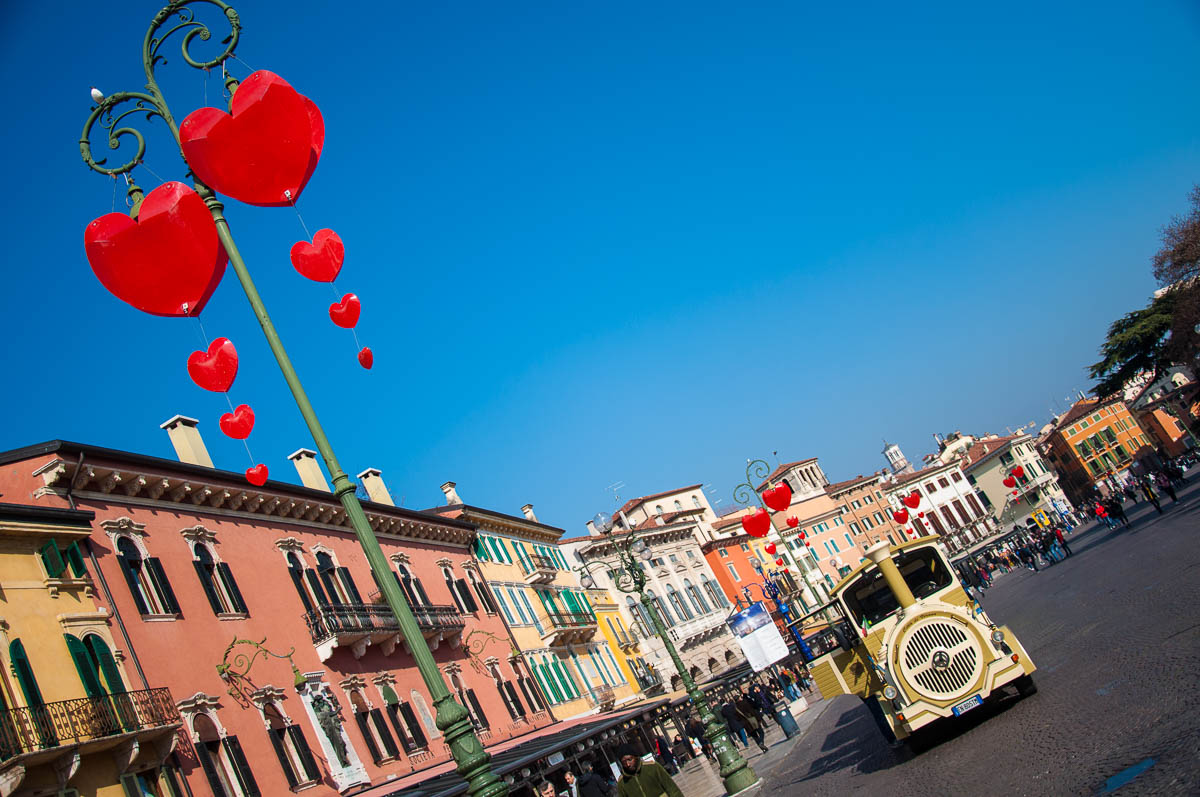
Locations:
572 789
1165 485
1117 512
642 778
1151 496
545 789
665 755
747 711
592 784
696 731
1062 541
734 721
763 698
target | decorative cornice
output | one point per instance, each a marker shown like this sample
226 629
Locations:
267 694
444 562
385 678
400 558
199 703
290 545
123 525
352 682
198 534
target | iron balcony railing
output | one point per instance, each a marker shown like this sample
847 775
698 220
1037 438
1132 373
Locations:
360 618
571 620
602 696
537 562
83 719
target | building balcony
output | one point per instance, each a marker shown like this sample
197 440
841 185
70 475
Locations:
50 739
685 635
602 698
568 627
358 625
539 569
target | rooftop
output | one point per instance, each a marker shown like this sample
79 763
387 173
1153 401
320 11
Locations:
631 503
779 471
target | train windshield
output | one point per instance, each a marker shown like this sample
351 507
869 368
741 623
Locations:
868 598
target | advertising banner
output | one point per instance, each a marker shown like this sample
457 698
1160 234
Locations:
759 637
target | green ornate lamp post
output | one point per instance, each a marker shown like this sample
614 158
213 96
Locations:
451 718
735 772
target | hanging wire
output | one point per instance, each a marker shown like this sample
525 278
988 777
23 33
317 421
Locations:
152 172
240 61
204 338
114 202
303 226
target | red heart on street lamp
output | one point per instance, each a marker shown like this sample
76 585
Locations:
779 561
237 424
778 497
770 547
900 516
265 151
793 522
366 358
168 262
345 313
757 523
912 500
1019 472
1009 481
216 368
920 514
257 475
321 260
803 535
1014 492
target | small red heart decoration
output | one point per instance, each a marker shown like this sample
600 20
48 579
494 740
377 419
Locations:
770 548
779 562
793 522
757 523
257 475
803 535
237 424
1014 492
778 497
912 500
321 260
216 368
365 358
266 149
1019 472
900 516
1009 481
168 262
345 313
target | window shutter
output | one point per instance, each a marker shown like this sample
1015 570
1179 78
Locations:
398 723
306 757
83 665
298 580
389 744
74 558
162 585
317 589
210 589
52 559
468 601
507 688
348 582
483 720
424 598
327 578
361 718
414 727
210 769
285 763
245 777
235 594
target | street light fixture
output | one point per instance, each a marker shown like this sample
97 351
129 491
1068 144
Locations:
451 718
735 772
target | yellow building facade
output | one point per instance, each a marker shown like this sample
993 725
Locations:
72 723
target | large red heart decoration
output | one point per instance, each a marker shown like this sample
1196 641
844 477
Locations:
900 516
770 547
1009 481
912 500
757 523
778 497
1018 472
321 260
237 424
257 475
262 154
793 522
168 262
345 313
366 358
216 368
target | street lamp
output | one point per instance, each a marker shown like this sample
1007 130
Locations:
631 553
451 718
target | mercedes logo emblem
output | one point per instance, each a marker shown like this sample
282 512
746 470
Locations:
940 660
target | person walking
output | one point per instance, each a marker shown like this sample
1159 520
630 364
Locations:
592 784
1062 541
1165 485
665 755
734 721
748 712
1116 511
643 779
696 731
572 789
1151 496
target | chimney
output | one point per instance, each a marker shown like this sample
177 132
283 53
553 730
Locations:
189 446
377 491
309 469
592 530
451 494
527 510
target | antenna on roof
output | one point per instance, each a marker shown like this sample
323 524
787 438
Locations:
615 486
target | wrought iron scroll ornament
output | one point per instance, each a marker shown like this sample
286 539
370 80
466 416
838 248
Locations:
234 668
746 494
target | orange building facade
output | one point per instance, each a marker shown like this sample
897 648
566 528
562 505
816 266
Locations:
1093 442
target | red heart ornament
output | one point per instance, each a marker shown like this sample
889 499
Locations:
793 522
257 475
237 424
900 516
1009 481
216 368
920 514
345 313
803 535
757 523
770 548
912 500
168 262
1014 492
1019 472
779 561
265 151
321 260
778 497
365 358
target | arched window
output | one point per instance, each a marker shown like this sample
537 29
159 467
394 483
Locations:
459 592
467 699
217 581
658 509
661 608
223 761
418 700
678 506
508 692
412 587
696 502
291 748
408 730
481 589
339 585
681 609
375 733
299 574
148 583
713 664
714 593
695 597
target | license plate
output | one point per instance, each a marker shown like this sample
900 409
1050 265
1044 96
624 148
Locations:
967 705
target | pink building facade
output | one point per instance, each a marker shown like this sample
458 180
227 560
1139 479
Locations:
191 559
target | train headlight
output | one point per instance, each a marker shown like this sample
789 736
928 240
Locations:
997 636
890 692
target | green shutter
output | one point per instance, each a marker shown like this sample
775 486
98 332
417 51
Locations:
108 666
74 558
389 695
25 676
52 559
88 672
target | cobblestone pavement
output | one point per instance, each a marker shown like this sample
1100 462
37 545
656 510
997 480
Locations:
1115 633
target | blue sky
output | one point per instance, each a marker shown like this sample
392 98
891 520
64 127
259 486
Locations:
619 242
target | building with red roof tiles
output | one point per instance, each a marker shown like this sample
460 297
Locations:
1095 444
949 506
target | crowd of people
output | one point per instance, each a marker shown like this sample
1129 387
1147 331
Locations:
1151 487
